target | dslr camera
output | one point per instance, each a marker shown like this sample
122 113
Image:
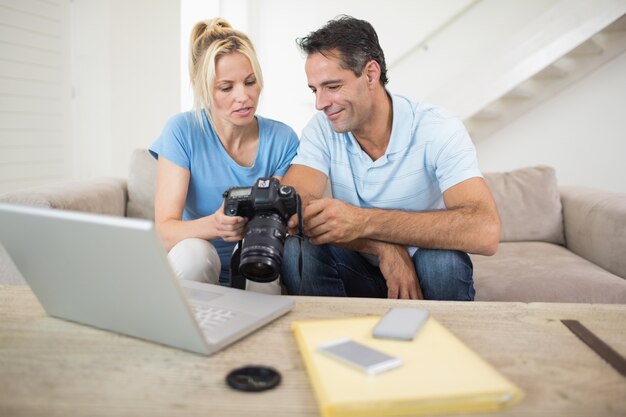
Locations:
268 206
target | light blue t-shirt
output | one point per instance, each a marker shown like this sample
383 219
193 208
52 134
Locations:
429 151
199 150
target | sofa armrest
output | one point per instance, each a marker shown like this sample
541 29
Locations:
595 226
100 196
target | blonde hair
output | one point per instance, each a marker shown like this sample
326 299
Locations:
210 39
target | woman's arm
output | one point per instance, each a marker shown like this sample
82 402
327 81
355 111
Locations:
169 202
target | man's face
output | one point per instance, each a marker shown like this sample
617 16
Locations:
340 94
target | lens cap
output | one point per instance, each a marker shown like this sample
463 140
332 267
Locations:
253 378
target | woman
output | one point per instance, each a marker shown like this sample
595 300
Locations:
221 144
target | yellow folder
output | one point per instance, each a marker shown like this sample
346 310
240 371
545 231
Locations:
439 373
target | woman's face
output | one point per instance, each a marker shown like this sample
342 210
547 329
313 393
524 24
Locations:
236 91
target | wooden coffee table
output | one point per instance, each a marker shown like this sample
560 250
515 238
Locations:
50 367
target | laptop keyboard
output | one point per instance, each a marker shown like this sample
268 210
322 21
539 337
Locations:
212 317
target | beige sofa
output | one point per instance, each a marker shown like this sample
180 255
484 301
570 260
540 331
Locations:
557 244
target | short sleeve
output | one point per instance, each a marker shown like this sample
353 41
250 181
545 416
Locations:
453 155
172 143
289 152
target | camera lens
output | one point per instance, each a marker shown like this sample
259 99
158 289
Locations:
262 247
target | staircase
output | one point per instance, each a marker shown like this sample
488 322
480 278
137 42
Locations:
538 86
490 61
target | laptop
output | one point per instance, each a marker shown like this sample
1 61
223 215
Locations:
113 273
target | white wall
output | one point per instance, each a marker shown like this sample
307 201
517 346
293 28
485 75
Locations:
277 24
447 60
127 79
437 51
35 139
191 11
467 51
581 133
91 84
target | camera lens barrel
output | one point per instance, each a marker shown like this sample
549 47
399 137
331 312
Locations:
262 247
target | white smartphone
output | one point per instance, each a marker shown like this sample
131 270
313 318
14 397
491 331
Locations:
401 323
365 358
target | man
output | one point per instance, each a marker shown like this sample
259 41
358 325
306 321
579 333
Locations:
403 176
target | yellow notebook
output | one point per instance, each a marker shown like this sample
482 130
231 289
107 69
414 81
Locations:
439 373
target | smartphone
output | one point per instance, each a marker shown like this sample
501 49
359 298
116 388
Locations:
401 323
360 356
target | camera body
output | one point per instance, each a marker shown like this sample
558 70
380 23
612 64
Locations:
268 205
266 195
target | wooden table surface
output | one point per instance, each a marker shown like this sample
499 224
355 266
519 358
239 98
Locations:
51 367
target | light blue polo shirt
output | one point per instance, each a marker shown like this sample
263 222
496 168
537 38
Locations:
429 152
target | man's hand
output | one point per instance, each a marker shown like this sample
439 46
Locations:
331 221
399 272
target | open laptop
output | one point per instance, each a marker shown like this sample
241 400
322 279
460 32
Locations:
113 273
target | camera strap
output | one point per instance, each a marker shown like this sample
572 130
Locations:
236 279
299 212
300 237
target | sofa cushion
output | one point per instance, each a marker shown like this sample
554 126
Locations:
595 225
141 185
543 272
529 204
100 196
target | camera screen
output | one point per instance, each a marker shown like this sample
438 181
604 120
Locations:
240 192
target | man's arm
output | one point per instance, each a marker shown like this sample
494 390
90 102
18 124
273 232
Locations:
469 223
395 263
308 182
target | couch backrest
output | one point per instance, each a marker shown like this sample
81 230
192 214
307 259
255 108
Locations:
528 199
529 204
141 185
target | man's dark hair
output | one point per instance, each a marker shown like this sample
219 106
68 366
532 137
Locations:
356 40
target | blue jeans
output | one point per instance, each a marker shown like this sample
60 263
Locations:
329 270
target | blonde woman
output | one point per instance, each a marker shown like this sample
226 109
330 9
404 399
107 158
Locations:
221 144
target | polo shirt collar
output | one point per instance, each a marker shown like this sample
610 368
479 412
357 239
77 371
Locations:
400 127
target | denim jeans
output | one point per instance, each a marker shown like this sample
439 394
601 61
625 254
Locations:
329 270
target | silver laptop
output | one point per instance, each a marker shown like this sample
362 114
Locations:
113 273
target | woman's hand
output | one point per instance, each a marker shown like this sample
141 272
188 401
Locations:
229 228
